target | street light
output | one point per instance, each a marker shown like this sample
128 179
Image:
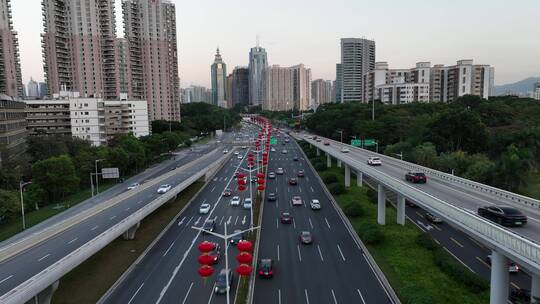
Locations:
341 132
21 186
97 176
400 154
225 237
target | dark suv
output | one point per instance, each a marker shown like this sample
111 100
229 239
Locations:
266 268
209 225
503 215
416 177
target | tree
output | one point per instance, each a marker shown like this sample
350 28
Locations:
9 205
425 154
512 167
119 158
56 175
135 150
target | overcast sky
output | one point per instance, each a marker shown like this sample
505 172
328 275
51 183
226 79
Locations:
502 33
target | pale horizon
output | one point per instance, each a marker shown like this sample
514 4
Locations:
309 32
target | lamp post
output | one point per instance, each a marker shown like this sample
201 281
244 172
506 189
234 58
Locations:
97 176
341 133
21 186
225 237
400 154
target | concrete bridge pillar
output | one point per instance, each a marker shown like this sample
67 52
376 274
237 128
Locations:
499 279
400 209
339 163
130 233
347 176
45 296
359 179
328 160
535 288
318 152
381 205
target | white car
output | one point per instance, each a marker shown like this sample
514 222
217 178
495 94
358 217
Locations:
164 188
247 203
297 201
345 150
239 156
133 186
273 150
204 209
236 152
284 151
374 161
225 151
235 201
315 204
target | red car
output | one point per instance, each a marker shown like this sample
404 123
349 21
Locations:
326 143
416 177
286 218
227 193
300 173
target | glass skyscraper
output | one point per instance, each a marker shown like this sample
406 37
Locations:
258 61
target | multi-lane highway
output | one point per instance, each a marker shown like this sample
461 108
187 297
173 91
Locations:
331 270
26 264
168 271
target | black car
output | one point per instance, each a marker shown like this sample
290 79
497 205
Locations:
503 215
215 253
293 181
272 197
209 225
306 238
433 218
271 175
266 268
295 158
221 281
416 177
237 238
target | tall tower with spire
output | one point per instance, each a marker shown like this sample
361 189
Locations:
219 80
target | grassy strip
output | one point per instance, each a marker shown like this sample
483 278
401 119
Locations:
96 275
411 268
12 227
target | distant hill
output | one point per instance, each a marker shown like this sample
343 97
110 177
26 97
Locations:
523 86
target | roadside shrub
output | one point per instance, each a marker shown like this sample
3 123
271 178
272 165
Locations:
412 294
372 195
320 167
336 188
425 241
353 210
371 234
458 272
330 178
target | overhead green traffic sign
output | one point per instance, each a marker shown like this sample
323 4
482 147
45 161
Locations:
273 141
356 142
369 142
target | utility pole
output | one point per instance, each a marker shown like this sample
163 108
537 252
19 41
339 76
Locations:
373 110
97 175
21 186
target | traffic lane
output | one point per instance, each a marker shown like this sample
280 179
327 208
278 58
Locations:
28 263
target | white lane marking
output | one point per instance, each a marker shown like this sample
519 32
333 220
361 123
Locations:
459 260
197 221
278 252
139 202
136 292
127 209
299 255
361 297
334 296
187 293
189 221
311 189
341 252
181 221
300 188
112 217
307 298
244 220
204 201
288 189
294 223
236 220
327 223
221 221
44 257
320 253
310 223
277 223
307 179
73 240
6 279
168 249
279 296
213 188
229 220
94 228
212 293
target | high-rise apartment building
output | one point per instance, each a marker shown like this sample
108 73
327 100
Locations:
357 58
240 86
466 78
10 68
197 94
219 81
287 88
258 61
321 92
43 90
150 31
228 91
123 66
79 47
12 127
338 84
536 91
32 89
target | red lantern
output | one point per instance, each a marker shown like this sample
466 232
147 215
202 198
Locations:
206 259
260 175
244 258
260 181
250 155
206 246
240 175
265 162
241 188
260 188
244 245
241 182
206 271
244 270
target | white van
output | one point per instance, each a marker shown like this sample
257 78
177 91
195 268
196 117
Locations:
247 203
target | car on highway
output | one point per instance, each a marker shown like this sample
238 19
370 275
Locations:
295 158
503 215
287 140
247 203
416 177
326 143
236 238
235 201
215 253
285 218
345 150
272 197
236 152
279 171
266 268
411 204
239 156
227 193
253 180
271 175
221 281
244 147
225 151
209 225
433 218
512 267
374 161
273 149
300 173
284 151
297 200
293 181
133 186
204 209
164 188
306 238
319 140
315 204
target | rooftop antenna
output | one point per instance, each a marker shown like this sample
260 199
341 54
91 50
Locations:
258 44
